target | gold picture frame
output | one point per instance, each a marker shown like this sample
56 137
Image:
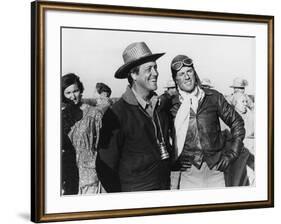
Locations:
38 109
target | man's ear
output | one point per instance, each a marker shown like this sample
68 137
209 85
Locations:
134 75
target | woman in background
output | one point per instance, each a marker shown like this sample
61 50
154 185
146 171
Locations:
83 133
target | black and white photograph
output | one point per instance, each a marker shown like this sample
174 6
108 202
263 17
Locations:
142 111
148 111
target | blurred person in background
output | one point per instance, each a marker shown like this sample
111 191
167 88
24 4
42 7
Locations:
103 94
240 102
103 89
169 93
206 83
239 84
171 87
101 97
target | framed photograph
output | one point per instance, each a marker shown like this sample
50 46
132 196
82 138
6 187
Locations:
145 111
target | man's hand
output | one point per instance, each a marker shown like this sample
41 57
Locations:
225 161
223 164
185 164
182 164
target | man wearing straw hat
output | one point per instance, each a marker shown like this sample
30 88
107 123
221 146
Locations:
202 155
239 84
206 83
171 87
133 154
170 92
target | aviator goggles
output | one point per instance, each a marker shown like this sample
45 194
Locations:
179 64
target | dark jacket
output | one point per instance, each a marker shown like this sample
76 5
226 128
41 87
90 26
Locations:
69 170
128 156
166 100
205 126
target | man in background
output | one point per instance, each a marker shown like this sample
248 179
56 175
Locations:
238 86
101 97
206 83
170 92
103 93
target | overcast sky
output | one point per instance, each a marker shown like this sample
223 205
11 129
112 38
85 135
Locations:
95 55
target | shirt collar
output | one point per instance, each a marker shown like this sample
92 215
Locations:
144 104
140 100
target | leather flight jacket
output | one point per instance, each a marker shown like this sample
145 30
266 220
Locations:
204 139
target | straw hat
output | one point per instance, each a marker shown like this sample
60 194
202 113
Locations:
135 54
207 83
170 84
239 83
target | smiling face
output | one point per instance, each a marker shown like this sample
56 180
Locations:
146 78
185 79
73 93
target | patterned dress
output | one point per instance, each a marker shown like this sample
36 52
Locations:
84 135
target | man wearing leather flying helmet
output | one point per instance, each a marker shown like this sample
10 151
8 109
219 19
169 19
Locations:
133 153
201 152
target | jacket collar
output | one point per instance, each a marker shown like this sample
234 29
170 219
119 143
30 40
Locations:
208 92
140 100
130 97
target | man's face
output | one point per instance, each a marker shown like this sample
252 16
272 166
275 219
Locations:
185 79
146 79
172 91
104 94
241 104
